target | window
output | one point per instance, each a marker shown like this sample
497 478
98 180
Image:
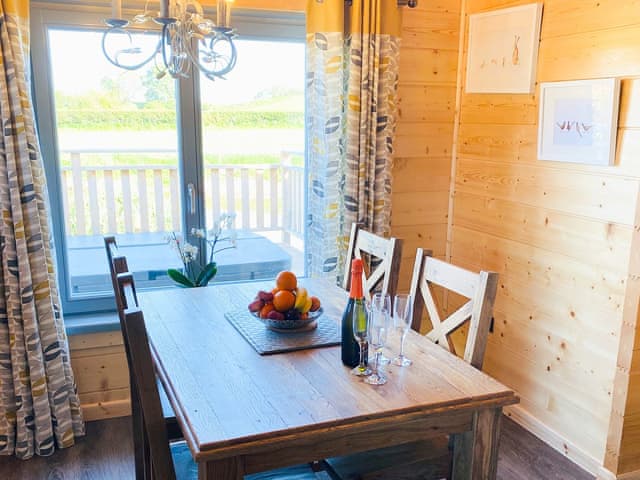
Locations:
125 151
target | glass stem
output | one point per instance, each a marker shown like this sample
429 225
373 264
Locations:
375 362
404 335
362 365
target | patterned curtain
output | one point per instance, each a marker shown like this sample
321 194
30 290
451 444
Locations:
352 83
39 406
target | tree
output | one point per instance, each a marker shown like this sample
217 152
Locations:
158 90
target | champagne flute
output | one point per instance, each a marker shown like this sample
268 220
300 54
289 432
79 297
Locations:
384 303
360 322
378 329
402 317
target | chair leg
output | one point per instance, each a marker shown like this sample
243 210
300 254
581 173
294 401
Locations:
148 464
138 436
142 454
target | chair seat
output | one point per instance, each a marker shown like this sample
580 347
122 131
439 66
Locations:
174 432
424 460
187 469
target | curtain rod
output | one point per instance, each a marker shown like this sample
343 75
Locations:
401 3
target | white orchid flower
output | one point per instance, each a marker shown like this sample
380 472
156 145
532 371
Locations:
198 233
190 252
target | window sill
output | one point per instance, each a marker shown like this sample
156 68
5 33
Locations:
81 324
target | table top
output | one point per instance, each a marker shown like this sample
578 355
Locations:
227 395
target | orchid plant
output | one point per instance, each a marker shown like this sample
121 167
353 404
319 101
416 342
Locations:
193 274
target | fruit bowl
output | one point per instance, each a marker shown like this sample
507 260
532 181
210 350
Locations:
287 306
291 323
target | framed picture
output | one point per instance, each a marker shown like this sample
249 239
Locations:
503 50
578 121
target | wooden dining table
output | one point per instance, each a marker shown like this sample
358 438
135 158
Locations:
242 412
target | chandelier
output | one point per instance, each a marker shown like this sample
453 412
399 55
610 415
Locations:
187 39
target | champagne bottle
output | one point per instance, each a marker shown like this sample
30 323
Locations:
355 306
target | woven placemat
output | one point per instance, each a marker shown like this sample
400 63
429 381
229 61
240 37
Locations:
267 342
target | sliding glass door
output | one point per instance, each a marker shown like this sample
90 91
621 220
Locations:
117 159
140 157
253 156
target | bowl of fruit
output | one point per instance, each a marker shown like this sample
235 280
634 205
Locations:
287 306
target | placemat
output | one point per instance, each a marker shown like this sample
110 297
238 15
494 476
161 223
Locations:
267 342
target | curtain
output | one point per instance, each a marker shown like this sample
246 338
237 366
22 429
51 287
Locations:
39 406
352 83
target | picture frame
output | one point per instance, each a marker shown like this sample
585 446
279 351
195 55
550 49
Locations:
502 50
578 121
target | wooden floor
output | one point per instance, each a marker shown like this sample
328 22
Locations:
105 454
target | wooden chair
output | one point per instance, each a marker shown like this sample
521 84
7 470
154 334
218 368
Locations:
386 269
479 288
431 459
118 265
170 461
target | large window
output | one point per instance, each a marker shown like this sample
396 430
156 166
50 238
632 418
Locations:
138 157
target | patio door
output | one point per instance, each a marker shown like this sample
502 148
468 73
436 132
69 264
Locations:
112 157
140 157
252 126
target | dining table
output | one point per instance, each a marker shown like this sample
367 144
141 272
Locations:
242 412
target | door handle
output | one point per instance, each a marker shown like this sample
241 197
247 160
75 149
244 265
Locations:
191 195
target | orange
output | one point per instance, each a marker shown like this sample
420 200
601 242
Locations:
287 280
264 311
284 300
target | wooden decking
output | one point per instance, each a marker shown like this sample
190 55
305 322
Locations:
106 453
256 257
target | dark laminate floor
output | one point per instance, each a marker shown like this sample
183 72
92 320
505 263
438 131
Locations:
105 454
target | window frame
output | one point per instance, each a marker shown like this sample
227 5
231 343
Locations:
253 25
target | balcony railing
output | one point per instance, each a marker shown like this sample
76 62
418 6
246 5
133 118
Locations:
146 198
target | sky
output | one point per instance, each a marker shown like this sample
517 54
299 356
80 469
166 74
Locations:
79 66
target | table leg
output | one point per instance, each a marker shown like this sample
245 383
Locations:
475 453
227 469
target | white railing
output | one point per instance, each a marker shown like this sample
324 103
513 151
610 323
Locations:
146 198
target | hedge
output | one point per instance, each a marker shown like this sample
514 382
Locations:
164 119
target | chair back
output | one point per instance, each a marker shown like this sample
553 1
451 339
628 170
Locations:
385 270
479 288
117 264
143 374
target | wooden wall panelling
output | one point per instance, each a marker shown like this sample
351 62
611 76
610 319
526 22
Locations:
560 235
102 377
623 445
422 163
587 195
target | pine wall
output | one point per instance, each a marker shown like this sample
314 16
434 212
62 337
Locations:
560 236
423 146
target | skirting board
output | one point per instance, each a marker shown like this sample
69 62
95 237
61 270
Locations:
556 441
607 475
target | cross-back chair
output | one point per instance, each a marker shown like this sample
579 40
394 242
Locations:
384 255
478 288
170 461
431 459
118 265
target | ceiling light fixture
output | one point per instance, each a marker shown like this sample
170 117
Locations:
187 39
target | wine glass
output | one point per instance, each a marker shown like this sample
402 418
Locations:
378 329
360 322
402 317
384 302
